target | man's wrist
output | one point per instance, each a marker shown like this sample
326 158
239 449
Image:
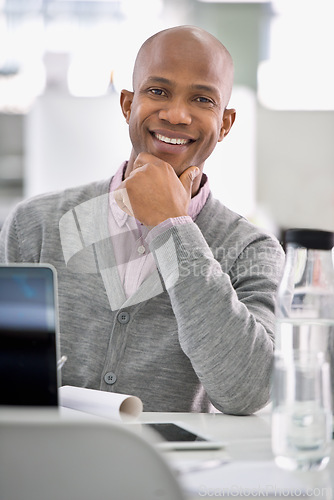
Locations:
165 225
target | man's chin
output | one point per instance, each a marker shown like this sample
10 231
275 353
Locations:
178 164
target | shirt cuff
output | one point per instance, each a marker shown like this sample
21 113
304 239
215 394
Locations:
167 224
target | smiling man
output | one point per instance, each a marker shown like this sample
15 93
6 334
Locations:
163 291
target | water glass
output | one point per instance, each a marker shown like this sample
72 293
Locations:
302 413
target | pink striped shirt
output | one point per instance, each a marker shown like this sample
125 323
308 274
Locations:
131 238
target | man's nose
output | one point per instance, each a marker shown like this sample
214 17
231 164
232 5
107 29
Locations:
176 112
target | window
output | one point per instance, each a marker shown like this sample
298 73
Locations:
298 74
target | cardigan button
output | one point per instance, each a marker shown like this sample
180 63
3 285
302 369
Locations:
123 317
110 378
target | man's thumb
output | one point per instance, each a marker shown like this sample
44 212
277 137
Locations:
187 177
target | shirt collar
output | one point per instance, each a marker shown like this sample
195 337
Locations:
198 201
119 216
195 206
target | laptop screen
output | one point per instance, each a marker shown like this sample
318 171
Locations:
28 336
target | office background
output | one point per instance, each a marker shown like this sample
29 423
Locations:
63 63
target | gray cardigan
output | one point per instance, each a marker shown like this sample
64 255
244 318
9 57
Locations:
198 334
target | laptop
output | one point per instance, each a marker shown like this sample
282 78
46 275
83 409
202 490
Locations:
28 335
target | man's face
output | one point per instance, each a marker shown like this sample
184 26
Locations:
177 108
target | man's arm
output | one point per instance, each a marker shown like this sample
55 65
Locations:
225 320
10 250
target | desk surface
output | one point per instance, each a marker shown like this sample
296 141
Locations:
248 446
244 436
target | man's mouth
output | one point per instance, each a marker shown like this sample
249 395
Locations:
171 140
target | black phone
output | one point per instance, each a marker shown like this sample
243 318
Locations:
28 336
175 436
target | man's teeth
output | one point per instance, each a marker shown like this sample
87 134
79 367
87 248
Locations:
169 140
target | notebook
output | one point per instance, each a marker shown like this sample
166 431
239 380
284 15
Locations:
28 335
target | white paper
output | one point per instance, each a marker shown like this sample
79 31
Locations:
104 404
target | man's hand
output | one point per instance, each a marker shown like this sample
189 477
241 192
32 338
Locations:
153 193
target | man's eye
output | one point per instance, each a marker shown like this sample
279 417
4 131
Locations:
157 92
204 100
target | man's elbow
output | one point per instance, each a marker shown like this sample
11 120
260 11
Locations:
246 404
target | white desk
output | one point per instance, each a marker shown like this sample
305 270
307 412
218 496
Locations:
248 445
237 432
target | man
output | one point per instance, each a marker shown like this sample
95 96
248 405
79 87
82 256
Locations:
163 292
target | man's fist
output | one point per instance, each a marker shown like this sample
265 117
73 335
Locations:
153 193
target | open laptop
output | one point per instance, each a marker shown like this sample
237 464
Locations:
28 335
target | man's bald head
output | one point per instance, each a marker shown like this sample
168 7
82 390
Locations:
183 40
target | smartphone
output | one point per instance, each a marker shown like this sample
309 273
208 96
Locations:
175 436
28 336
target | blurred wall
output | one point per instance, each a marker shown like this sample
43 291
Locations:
295 159
11 161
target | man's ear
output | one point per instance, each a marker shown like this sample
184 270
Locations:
228 120
126 102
